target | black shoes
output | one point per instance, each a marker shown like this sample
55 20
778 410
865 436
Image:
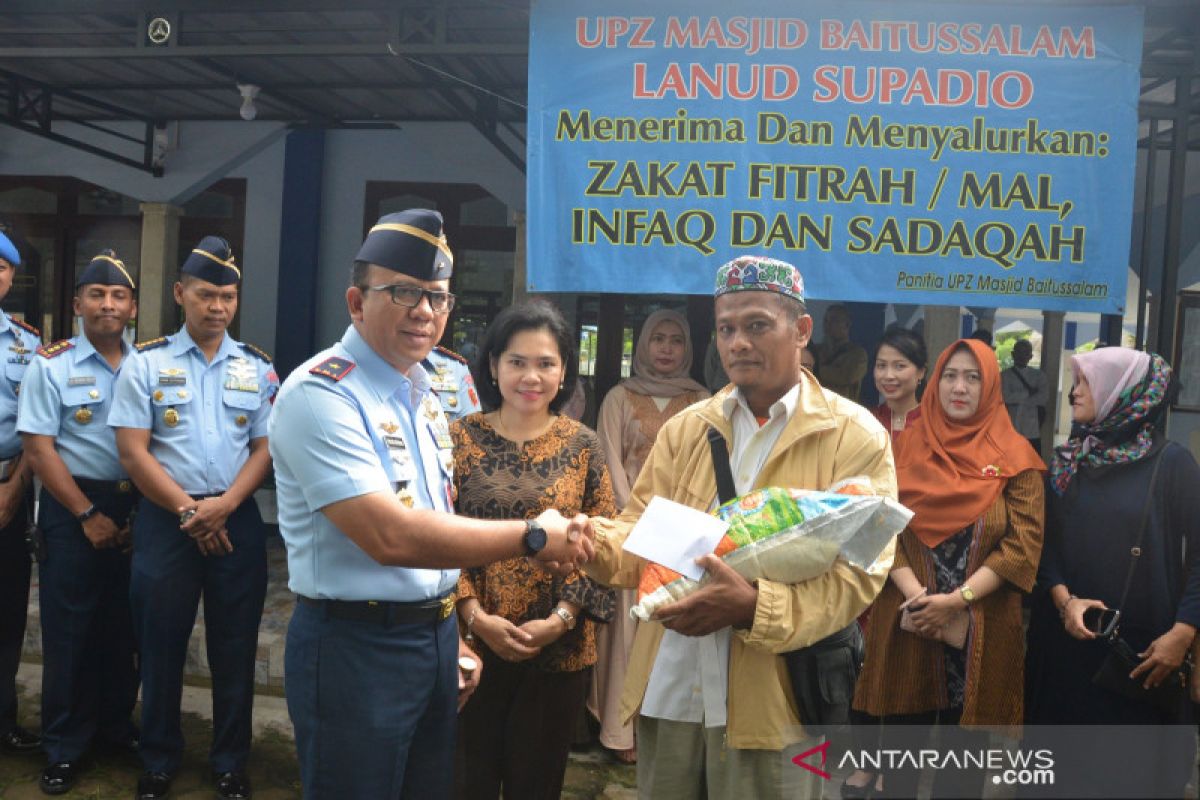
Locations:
233 785
153 786
19 740
59 778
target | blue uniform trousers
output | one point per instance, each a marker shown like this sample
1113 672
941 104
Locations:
14 606
89 669
373 706
168 576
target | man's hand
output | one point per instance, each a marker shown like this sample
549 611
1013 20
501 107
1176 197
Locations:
568 542
503 638
727 599
468 682
1165 654
101 531
207 525
10 499
934 612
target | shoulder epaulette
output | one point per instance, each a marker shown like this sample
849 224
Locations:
20 323
257 351
333 367
452 354
55 349
150 344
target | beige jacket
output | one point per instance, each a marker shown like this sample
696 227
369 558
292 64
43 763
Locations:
827 439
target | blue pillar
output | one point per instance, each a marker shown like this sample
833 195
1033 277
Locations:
300 235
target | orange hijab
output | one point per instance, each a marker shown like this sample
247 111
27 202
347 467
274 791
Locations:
951 472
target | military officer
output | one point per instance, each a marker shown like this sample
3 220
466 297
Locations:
18 341
363 473
89 676
450 377
191 413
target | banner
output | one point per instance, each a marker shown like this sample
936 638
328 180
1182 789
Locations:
914 153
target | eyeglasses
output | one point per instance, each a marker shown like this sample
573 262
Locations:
410 296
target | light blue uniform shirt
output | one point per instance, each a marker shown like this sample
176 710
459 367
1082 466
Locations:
217 408
452 382
18 346
68 395
374 430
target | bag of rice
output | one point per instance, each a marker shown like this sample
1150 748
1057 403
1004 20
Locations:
787 536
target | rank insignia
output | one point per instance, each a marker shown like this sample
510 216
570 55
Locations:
150 344
335 368
55 349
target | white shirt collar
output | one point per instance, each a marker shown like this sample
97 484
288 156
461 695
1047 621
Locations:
784 406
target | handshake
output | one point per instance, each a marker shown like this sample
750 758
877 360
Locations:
568 542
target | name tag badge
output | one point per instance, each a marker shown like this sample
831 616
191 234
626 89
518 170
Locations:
82 380
172 376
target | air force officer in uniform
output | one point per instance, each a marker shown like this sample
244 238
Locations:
363 471
191 413
89 672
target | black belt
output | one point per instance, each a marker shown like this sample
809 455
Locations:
382 612
92 485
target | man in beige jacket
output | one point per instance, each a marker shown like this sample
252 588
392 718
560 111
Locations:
713 703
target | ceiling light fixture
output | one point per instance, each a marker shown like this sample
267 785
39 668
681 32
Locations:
249 91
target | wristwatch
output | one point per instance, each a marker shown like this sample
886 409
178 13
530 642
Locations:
967 593
535 537
87 514
566 616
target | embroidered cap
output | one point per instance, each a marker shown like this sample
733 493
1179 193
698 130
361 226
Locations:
762 274
8 251
212 261
411 242
105 269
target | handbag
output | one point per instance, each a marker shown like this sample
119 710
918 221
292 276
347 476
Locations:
823 674
1170 695
954 633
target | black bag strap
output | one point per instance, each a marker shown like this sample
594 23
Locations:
1024 382
1135 552
720 458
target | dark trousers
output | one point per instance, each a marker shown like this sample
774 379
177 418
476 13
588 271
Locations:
169 574
911 732
14 606
373 706
89 667
515 731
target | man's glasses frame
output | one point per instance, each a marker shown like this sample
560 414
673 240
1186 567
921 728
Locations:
410 296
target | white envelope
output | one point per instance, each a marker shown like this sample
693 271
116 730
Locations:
675 535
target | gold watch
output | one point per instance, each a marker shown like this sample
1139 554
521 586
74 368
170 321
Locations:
566 616
967 593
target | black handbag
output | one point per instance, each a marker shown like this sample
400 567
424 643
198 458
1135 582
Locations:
1169 696
823 674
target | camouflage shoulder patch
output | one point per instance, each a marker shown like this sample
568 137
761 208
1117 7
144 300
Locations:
20 323
150 344
451 354
55 349
258 351
333 367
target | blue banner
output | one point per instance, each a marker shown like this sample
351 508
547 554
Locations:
895 152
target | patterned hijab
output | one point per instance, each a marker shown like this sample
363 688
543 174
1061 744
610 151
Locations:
645 379
1128 387
950 472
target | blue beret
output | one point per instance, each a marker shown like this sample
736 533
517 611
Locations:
411 242
212 261
105 269
8 251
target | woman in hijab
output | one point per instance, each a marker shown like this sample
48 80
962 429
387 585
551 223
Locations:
1100 484
972 547
630 418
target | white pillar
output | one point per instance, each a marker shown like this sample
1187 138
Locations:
943 327
160 251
